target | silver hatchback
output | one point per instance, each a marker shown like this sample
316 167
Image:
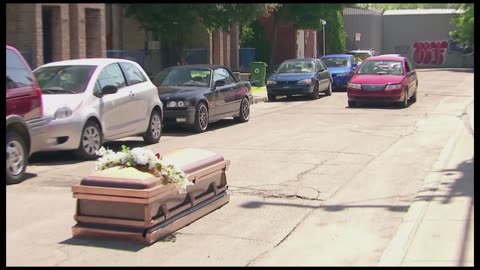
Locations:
90 101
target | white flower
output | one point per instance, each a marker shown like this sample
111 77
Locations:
141 156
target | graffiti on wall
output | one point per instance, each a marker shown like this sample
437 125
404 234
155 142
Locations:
402 49
434 52
430 52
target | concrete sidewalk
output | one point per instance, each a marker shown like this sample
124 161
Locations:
438 229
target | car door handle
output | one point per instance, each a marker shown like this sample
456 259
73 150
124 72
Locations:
132 94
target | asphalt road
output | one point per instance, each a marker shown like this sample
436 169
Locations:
311 183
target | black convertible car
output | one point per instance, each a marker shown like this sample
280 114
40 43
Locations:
196 95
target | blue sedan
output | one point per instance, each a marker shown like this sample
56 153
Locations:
307 76
342 67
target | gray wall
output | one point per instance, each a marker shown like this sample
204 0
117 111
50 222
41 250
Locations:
368 23
402 31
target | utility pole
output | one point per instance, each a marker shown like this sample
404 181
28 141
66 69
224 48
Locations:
323 31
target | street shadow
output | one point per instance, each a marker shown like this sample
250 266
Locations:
66 157
379 106
295 98
330 208
28 176
53 158
113 243
183 131
463 186
461 70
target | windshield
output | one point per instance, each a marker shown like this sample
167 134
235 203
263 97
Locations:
300 66
381 67
64 79
336 61
183 76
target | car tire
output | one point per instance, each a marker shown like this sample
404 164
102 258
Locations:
90 141
154 130
271 98
328 92
17 158
244 112
404 103
201 118
314 94
414 97
352 104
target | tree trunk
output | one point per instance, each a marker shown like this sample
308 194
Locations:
274 44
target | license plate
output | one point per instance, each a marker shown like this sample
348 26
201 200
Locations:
180 120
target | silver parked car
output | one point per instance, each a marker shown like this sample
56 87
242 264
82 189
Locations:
90 101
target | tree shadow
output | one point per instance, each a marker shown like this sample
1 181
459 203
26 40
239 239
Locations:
463 186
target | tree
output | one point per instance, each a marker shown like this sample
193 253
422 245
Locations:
465 25
175 21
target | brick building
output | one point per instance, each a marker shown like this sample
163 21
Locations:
53 32
127 36
291 43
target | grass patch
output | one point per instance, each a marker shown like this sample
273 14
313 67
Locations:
258 89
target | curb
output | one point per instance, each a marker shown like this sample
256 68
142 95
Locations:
400 243
257 99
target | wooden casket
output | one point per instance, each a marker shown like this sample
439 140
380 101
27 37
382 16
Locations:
129 204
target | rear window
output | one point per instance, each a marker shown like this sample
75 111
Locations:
18 74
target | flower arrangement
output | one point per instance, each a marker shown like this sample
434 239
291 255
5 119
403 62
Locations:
143 160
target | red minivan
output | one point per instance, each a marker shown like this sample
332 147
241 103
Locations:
26 127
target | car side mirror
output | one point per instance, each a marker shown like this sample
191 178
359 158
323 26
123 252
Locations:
109 89
219 83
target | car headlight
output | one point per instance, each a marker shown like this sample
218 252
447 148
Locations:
344 74
183 103
179 104
271 82
63 112
306 81
354 85
391 87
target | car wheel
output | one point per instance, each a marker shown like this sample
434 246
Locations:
329 89
271 97
404 103
17 158
244 115
90 141
154 131
414 97
352 104
201 118
314 94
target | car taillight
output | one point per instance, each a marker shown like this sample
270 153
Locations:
391 87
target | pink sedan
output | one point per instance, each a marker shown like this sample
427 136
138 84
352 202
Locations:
383 78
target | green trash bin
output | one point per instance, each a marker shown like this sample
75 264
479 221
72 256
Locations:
258 71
